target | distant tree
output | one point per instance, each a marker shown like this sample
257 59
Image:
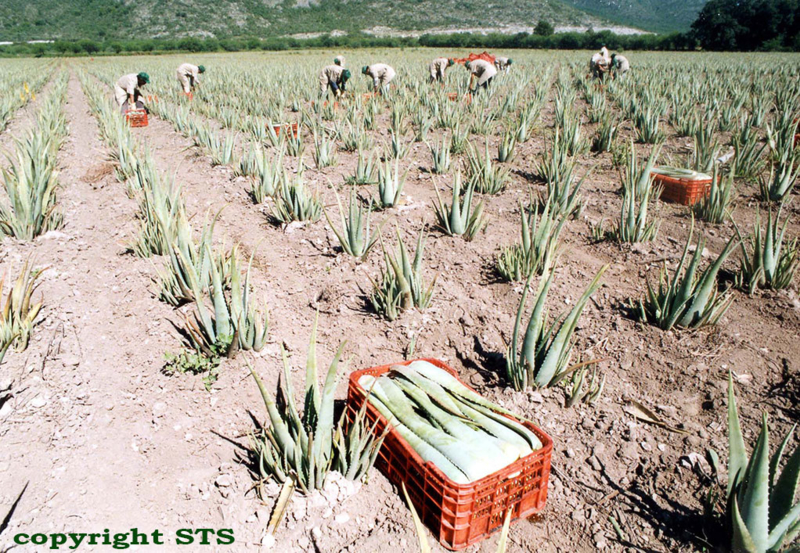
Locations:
740 25
89 46
544 28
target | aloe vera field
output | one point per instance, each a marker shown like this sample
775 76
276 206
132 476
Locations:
183 303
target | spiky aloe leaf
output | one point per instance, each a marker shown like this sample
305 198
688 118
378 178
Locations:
737 455
754 492
558 348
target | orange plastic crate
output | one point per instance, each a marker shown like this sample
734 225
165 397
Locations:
290 127
459 515
682 191
325 104
136 117
453 96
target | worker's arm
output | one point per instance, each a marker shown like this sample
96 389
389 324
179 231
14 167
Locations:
472 79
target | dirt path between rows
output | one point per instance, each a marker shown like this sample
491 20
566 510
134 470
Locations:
98 451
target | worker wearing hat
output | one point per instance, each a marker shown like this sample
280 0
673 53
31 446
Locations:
339 60
127 90
333 77
438 67
503 64
381 75
619 65
481 74
189 76
600 63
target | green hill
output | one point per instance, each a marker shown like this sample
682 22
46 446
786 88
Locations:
653 15
122 19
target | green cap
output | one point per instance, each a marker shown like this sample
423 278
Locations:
364 69
466 64
450 62
201 68
337 61
510 61
346 74
144 77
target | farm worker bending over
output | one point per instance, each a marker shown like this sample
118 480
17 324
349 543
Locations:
482 73
339 60
189 76
620 65
502 64
381 75
598 66
127 92
438 67
334 77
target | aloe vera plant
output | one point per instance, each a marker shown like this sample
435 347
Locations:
538 248
366 170
546 348
459 218
441 157
222 152
398 150
686 298
161 211
637 194
748 151
761 514
647 124
487 177
18 313
31 180
715 208
233 321
356 445
294 446
782 178
267 176
401 285
189 264
506 147
354 236
390 183
772 263
706 148
295 203
606 134
324 151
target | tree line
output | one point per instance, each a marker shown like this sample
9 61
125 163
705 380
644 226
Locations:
560 41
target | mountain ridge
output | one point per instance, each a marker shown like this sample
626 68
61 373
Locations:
22 20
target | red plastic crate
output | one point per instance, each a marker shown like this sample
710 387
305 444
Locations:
136 117
290 127
682 191
453 97
325 104
459 515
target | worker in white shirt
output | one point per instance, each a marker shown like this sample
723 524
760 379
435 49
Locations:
381 75
127 91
